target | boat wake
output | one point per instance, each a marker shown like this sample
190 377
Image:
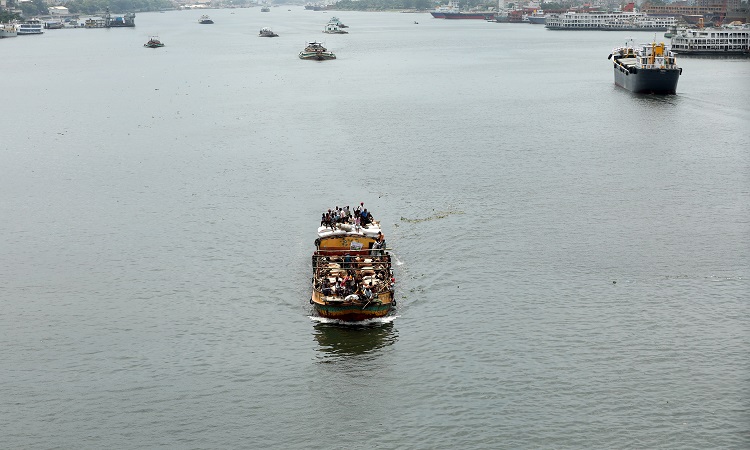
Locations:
436 216
373 321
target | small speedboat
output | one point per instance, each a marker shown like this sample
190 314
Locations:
205 20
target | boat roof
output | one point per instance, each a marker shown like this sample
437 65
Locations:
370 231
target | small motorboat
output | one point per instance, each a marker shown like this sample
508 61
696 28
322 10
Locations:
205 20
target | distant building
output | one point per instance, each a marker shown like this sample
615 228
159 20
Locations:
58 11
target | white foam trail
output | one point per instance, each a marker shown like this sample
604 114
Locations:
377 320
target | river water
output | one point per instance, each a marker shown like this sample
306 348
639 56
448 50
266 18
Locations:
572 259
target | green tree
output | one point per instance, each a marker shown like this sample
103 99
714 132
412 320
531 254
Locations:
34 8
7 16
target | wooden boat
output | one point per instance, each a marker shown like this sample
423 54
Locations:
352 275
154 42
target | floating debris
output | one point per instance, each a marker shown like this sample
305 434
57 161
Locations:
436 216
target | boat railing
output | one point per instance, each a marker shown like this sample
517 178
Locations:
356 261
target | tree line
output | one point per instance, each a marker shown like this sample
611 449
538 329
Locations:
385 5
39 8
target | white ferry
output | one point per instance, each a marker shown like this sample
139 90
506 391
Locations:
618 21
712 41
31 26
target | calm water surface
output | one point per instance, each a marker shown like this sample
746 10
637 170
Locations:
573 259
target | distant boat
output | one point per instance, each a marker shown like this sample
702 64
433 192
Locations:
537 17
54 25
335 20
125 21
453 11
265 9
205 20
8 30
266 32
728 40
332 28
618 21
31 26
315 51
154 42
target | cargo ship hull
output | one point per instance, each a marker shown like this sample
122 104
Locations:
469 15
648 81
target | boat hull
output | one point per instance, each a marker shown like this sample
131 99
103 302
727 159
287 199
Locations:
468 15
317 56
648 81
352 312
716 52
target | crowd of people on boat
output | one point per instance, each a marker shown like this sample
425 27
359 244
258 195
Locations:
358 217
353 277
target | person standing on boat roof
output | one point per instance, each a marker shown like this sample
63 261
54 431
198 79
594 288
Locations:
366 217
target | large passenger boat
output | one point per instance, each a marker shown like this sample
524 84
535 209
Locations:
647 69
712 41
618 21
352 275
31 26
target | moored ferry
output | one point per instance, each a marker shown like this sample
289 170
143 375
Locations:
7 30
352 275
31 26
712 41
646 69
618 21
